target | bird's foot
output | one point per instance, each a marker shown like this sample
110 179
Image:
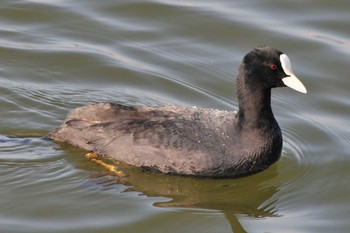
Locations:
111 168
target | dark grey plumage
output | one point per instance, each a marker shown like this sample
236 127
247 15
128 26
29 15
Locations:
189 140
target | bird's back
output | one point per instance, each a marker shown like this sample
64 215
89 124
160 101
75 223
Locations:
170 139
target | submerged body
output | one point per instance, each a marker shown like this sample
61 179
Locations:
188 140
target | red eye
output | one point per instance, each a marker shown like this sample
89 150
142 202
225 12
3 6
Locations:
273 67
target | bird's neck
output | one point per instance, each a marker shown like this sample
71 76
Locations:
255 108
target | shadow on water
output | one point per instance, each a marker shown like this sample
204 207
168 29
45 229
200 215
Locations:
248 197
245 197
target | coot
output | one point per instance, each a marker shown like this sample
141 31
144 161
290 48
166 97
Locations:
189 140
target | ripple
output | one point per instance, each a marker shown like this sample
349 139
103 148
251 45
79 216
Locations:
26 149
58 55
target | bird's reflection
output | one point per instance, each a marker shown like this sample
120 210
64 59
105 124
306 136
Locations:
250 197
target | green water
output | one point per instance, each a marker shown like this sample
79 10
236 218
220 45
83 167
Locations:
57 55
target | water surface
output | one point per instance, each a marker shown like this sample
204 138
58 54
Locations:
58 55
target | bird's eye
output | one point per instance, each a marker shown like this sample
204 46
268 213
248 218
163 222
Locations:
273 67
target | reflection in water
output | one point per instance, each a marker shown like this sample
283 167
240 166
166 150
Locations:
249 197
246 197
